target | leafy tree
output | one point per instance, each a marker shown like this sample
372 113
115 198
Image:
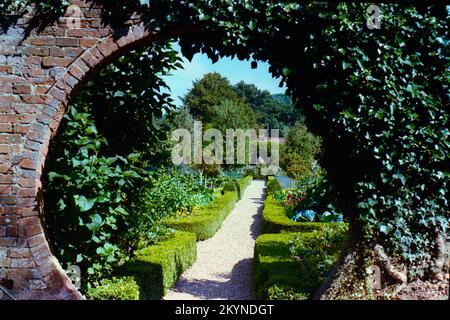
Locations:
234 115
207 95
300 151
277 111
181 119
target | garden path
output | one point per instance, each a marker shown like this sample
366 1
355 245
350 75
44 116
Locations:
223 269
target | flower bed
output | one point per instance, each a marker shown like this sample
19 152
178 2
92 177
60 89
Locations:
275 220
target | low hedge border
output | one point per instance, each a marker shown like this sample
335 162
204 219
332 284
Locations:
275 220
205 221
157 268
276 275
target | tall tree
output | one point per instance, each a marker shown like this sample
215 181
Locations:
207 94
277 111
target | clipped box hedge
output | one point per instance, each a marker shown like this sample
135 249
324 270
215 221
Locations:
157 268
276 275
205 221
275 220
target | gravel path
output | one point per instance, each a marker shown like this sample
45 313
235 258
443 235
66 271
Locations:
223 269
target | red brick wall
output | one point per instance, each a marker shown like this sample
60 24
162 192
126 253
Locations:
39 73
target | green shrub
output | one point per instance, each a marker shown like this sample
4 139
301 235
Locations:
158 267
277 275
273 186
205 221
121 288
275 220
322 248
274 269
230 186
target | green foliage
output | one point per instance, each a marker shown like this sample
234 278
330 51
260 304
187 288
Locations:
231 114
273 186
322 248
276 274
182 119
122 288
128 99
88 198
280 275
275 220
277 111
299 152
158 267
207 94
205 221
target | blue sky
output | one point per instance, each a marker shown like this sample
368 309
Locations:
180 81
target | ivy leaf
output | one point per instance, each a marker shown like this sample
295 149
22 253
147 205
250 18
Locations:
84 203
96 222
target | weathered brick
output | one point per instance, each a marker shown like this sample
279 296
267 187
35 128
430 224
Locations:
33 230
6 69
22 263
36 51
18 253
6 179
67 42
76 72
41 41
6 127
22 88
49 62
88 43
5 168
33 99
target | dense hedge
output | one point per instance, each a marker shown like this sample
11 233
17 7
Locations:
275 220
157 268
205 221
277 275
122 288
273 185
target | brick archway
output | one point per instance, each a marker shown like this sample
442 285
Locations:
39 73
